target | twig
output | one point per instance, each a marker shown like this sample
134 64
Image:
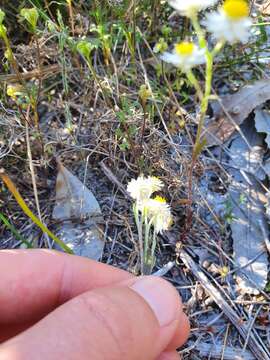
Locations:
113 179
32 171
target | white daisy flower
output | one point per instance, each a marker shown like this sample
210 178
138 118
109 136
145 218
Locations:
191 7
142 188
159 213
231 22
185 55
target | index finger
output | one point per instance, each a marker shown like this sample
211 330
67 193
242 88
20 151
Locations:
34 282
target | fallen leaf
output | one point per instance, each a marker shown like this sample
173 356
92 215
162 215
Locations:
79 213
248 212
238 106
262 123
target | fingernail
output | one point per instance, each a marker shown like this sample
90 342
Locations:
160 296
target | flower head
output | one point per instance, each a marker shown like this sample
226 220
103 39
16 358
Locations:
159 213
142 188
191 7
14 90
185 55
231 22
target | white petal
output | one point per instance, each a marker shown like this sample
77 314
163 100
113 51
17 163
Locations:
171 58
186 7
224 28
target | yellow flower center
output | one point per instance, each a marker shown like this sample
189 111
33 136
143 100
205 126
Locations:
184 48
236 9
160 199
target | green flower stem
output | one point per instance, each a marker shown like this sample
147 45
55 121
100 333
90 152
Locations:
154 244
138 221
147 231
192 79
199 31
205 100
218 48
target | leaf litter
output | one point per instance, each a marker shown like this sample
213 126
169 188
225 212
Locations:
231 110
79 214
248 199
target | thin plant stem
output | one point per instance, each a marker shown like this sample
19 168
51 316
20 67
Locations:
205 100
198 142
144 124
138 222
147 227
93 72
153 248
32 171
134 28
199 31
191 77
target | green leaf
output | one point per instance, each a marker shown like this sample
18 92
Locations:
2 16
14 231
31 16
84 47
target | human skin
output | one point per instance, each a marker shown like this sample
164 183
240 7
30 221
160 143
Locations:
54 306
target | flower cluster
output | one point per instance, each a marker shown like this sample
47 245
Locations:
229 23
155 211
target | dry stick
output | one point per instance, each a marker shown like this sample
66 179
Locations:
113 179
255 347
46 71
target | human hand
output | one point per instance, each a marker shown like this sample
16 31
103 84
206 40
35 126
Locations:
55 306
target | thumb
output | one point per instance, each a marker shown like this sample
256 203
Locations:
135 322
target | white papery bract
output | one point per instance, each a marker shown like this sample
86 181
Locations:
142 188
158 213
190 7
231 22
185 56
